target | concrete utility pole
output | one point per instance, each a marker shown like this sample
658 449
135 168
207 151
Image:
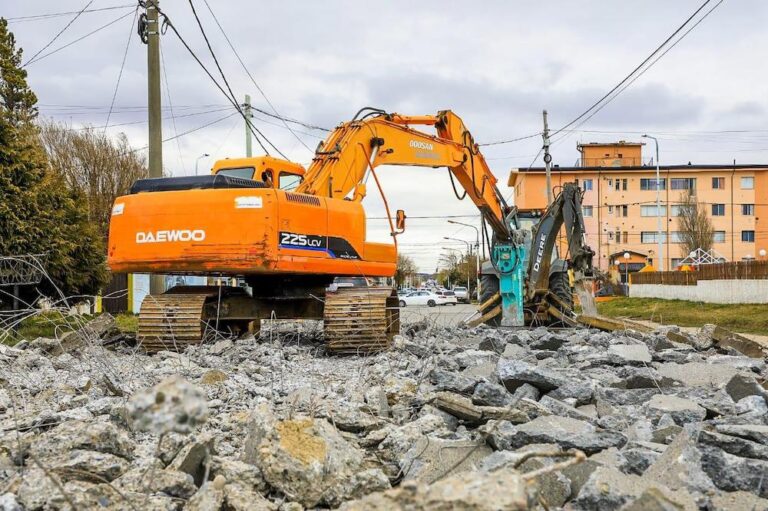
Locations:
658 208
156 282
248 116
547 158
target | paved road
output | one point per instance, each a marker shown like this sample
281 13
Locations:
443 315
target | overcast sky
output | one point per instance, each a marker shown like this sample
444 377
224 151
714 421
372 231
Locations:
495 63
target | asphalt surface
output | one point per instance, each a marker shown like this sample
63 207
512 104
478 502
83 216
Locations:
441 315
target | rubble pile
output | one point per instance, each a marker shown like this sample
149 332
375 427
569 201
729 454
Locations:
476 419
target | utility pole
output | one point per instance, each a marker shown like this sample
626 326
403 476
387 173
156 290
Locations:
156 282
547 158
248 117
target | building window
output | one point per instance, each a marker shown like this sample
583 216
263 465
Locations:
651 211
676 237
610 182
624 186
676 261
626 237
610 210
718 183
748 236
683 183
649 183
677 210
586 210
719 237
587 184
747 183
718 209
748 209
622 210
651 237
618 236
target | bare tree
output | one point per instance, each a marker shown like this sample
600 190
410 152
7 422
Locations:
405 268
99 166
695 226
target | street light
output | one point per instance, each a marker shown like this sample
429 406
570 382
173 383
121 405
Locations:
477 253
626 268
204 155
469 253
658 205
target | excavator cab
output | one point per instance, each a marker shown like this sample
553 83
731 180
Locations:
274 172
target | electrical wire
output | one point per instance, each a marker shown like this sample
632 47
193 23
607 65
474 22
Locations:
253 80
38 59
646 69
170 104
499 142
38 17
41 50
122 66
207 72
251 127
635 70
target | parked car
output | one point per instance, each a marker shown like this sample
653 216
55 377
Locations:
462 294
449 297
424 297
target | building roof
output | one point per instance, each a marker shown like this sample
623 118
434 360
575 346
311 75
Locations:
726 166
611 144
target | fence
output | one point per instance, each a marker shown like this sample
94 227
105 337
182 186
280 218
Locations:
669 278
739 270
115 294
737 282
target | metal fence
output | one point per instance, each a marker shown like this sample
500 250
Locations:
115 295
738 270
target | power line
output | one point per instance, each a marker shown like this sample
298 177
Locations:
41 50
207 72
499 142
122 66
641 73
251 127
170 104
38 17
80 38
635 70
261 91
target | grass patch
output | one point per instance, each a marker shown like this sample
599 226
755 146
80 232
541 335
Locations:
127 323
46 324
749 318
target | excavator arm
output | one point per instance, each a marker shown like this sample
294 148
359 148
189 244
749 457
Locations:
342 163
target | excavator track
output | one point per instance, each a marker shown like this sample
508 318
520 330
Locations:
171 321
360 320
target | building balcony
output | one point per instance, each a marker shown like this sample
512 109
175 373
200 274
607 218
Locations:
614 162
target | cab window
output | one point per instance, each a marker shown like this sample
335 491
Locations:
266 177
289 181
241 172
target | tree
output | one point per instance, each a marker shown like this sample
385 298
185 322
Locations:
695 226
39 214
405 268
96 165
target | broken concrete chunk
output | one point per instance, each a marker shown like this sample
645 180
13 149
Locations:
451 381
474 491
681 410
757 432
306 459
563 431
741 386
432 459
731 473
680 466
491 394
630 353
514 373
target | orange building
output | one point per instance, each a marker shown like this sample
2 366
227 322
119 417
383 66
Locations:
620 211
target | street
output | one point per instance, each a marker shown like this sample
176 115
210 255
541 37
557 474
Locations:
442 315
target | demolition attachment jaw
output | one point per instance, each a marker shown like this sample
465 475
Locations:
508 260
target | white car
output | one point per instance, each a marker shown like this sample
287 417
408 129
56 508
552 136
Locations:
423 297
461 293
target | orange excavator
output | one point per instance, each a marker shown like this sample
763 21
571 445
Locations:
288 232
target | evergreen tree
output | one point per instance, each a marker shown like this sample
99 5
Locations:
39 214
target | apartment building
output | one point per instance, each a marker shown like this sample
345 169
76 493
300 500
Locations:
620 212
